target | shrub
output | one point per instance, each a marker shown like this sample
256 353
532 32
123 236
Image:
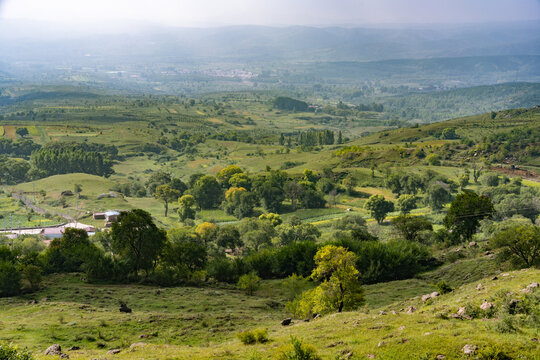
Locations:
443 287
506 325
12 352
298 351
32 274
493 353
249 282
251 337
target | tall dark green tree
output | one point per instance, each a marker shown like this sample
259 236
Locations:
465 213
136 239
207 192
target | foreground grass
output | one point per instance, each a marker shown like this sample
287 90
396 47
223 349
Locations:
201 323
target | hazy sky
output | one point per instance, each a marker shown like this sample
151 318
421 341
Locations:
188 13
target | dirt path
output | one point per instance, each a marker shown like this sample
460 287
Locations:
36 209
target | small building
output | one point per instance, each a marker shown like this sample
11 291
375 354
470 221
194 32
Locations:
99 216
112 215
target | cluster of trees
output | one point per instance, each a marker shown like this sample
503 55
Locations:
289 104
136 249
13 171
314 138
238 193
18 148
65 158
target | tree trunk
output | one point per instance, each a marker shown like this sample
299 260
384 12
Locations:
166 208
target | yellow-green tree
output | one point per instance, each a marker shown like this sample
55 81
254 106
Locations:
166 194
339 288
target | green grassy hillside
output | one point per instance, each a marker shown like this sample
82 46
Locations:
201 323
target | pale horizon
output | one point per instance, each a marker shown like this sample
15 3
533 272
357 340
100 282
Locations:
278 13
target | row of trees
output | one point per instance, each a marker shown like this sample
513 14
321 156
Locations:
65 158
239 193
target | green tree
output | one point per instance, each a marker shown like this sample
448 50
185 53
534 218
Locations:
207 192
519 244
465 213
239 202
157 178
137 239
10 279
406 203
438 194
349 182
21 131
249 283
410 227
379 207
225 174
186 208
32 274
433 159
463 181
339 288
70 252
293 191
166 194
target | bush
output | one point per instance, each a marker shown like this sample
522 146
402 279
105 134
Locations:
443 287
506 325
249 282
493 353
223 270
251 337
12 352
298 351
10 279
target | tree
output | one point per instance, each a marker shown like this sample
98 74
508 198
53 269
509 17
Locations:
340 137
290 233
476 173
449 134
292 191
70 252
273 218
465 213
77 188
463 181
410 227
433 159
379 207
186 207
207 192
239 202
240 180
227 173
157 178
186 255
249 283
22 131
339 288
207 231
228 237
406 203
137 239
166 194
10 279
32 274
271 196
349 182
438 194
520 244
